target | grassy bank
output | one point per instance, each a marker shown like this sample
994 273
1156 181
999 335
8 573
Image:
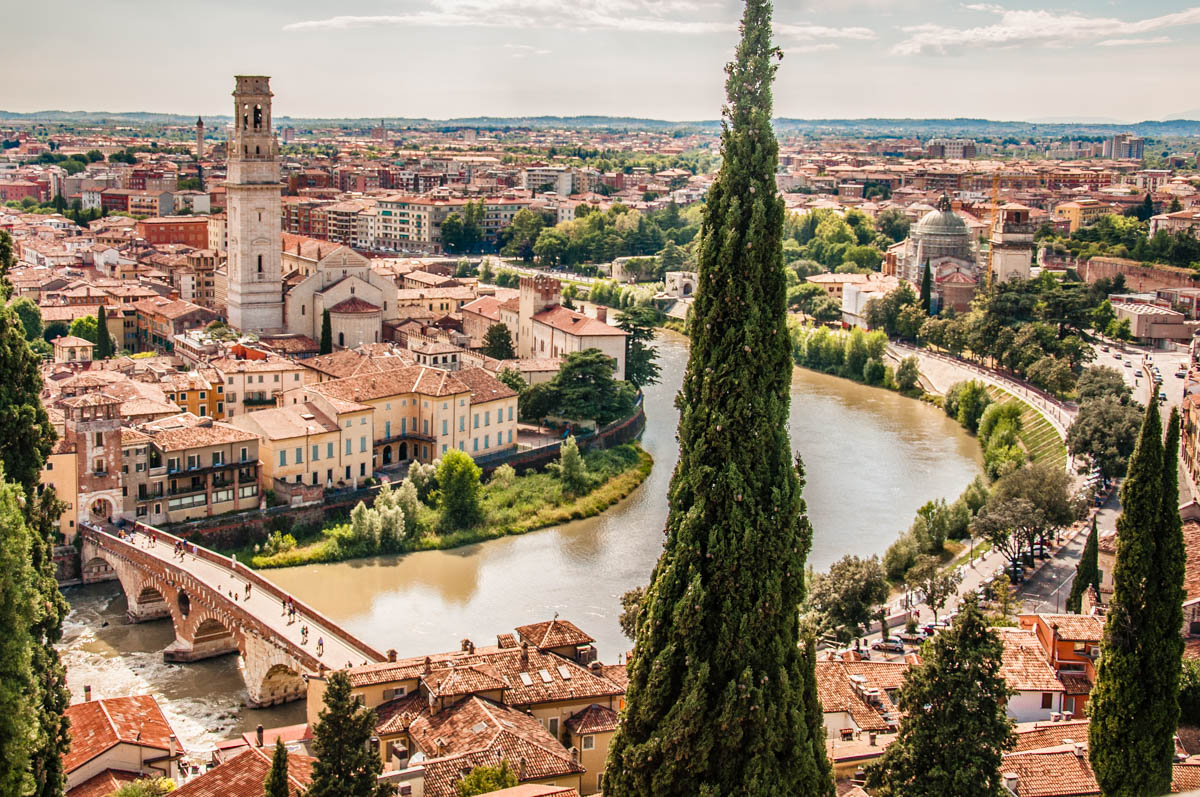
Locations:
1038 436
526 503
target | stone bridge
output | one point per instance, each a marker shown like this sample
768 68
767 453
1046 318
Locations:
205 596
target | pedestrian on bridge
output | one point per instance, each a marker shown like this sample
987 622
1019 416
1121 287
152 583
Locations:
247 590
320 646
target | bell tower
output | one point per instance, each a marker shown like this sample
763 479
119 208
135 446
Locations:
255 281
199 139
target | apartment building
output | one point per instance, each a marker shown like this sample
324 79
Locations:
318 442
1082 212
253 380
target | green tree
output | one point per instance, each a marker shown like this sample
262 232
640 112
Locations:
30 315
571 469
498 344
458 491
1102 316
522 234
1087 572
26 434
699 720
513 379
844 597
551 247
104 344
346 766
632 603
18 612
1134 705
971 400
954 727
927 289
1099 381
938 584
641 358
84 327
276 783
584 389
146 787
326 333
485 780
1104 433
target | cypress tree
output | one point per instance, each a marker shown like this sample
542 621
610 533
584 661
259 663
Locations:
1131 735
721 697
345 766
18 607
326 333
955 726
1087 572
276 783
104 344
26 434
927 289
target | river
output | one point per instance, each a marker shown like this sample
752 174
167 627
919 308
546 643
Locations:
872 458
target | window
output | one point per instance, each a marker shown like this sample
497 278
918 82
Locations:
477 420
99 438
283 457
260 269
487 441
474 443
348 446
487 418
589 743
510 435
425 425
299 455
248 491
462 423
243 454
362 444
218 458
510 411
1047 700
552 726
387 429
316 453
445 426
443 448
329 450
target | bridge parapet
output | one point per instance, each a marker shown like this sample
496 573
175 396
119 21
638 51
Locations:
218 607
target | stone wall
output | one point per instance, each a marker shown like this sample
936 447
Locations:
1139 277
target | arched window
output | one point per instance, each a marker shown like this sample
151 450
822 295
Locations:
245 117
341 339
257 150
260 270
258 117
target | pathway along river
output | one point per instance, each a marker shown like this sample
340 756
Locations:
872 458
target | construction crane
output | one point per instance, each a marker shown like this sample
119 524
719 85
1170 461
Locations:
995 225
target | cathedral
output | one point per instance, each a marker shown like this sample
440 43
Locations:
942 242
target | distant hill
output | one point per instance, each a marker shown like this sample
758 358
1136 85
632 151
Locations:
869 126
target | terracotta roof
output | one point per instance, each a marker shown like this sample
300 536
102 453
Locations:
396 715
477 725
593 719
410 379
348 362
243 776
486 306
617 673
281 423
184 431
442 773
1024 664
837 694
1062 771
535 790
484 386
1076 627
103 784
1185 776
553 634
463 679
354 305
1038 735
71 340
574 323
98 725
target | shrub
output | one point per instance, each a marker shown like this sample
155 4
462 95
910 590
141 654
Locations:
900 556
570 469
458 491
503 476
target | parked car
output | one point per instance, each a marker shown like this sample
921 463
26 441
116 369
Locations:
1117 355
1162 397
912 639
1016 574
1103 348
1128 364
889 645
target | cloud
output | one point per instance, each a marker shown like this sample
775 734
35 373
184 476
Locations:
1134 42
804 49
519 51
633 16
1017 27
684 17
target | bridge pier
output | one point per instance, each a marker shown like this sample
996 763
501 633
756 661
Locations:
272 675
149 604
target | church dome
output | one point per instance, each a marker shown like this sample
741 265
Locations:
943 221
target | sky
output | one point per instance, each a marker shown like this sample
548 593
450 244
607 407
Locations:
1106 60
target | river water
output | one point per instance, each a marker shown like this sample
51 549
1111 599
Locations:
872 458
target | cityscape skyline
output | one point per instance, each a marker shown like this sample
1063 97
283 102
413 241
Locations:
642 59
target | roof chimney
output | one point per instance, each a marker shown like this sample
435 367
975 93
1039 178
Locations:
258 736
1010 782
602 314
391 654
524 651
1079 750
522 769
428 665
171 748
87 693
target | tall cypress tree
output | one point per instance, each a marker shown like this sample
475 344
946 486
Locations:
1131 735
345 766
18 607
104 344
326 333
720 697
276 783
955 726
1087 571
26 434
927 289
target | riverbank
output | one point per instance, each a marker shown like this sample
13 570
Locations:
510 507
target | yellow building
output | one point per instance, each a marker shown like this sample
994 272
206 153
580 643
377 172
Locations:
318 442
421 413
200 394
1082 212
61 473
